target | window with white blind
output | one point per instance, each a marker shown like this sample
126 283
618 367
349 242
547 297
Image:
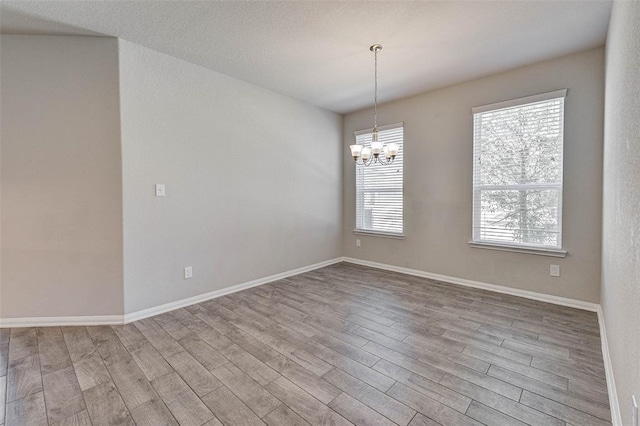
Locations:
379 187
517 172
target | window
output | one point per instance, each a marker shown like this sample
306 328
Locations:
379 187
517 172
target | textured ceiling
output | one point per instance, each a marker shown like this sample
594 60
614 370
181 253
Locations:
318 51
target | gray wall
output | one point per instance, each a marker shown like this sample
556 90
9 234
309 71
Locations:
621 202
247 193
438 177
253 180
61 177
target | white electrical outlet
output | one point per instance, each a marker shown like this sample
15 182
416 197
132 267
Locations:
357 243
188 272
554 270
160 190
635 410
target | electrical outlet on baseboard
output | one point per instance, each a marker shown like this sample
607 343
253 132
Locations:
188 272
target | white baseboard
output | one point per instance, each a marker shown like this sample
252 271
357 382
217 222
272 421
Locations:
60 321
556 300
616 418
145 313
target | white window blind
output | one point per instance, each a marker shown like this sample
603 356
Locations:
517 172
379 187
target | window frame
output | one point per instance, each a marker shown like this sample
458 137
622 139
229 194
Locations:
476 241
371 232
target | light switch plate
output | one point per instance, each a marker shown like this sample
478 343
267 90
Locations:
554 270
357 243
188 272
160 190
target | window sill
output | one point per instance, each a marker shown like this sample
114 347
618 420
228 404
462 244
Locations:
518 249
378 234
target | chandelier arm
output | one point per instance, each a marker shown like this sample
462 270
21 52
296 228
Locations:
388 160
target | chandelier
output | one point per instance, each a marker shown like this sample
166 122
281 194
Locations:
378 152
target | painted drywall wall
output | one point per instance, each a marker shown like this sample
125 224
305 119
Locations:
253 180
61 177
621 202
438 129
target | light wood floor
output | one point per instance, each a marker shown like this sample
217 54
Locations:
340 345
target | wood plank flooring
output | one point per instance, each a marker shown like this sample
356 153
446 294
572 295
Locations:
340 345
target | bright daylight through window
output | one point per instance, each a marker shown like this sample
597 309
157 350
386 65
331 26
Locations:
379 186
517 172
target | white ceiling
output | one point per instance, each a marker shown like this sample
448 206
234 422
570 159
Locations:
318 51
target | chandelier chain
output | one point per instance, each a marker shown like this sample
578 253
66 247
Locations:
375 90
